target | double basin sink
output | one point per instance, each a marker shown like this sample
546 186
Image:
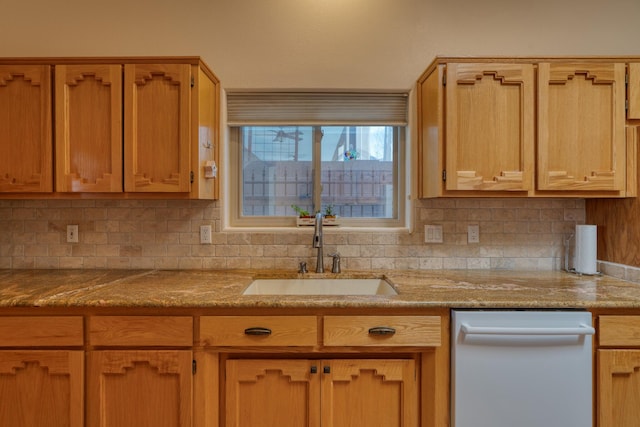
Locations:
320 286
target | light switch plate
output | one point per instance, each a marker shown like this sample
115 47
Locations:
72 234
433 233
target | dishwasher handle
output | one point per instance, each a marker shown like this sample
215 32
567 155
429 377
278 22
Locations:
582 329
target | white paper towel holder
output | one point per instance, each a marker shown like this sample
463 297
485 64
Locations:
567 255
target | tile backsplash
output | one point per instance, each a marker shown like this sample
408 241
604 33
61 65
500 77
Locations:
515 234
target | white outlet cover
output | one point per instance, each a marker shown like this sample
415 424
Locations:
473 233
205 235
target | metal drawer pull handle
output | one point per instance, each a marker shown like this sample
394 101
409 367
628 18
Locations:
382 330
257 331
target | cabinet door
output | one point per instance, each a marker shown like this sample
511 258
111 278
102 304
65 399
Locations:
89 128
634 91
157 127
26 163
618 388
266 393
41 388
581 127
372 393
489 127
131 388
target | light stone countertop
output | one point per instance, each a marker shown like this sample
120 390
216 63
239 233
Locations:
223 289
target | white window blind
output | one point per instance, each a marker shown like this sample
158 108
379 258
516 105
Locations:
312 108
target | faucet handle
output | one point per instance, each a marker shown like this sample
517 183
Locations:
335 267
302 268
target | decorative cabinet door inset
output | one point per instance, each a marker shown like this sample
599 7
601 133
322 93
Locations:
25 129
377 393
618 388
310 393
581 127
89 128
489 126
140 388
265 393
41 388
157 127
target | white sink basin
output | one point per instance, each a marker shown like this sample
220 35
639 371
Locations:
320 287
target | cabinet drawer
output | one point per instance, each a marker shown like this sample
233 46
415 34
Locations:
619 330
420 331
48 331
258 331
141 331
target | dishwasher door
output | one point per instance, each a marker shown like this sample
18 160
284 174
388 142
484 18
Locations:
521 369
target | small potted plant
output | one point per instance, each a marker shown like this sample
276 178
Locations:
328 212
330 217
304 217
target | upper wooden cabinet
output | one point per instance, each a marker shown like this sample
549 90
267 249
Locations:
634 91
26 162
122 125
581 127
88 128
489 127
485 130
158 101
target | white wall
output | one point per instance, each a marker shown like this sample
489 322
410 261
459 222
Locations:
318 43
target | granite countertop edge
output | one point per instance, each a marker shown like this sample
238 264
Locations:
223 289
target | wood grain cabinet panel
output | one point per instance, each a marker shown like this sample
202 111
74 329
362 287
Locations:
157 127
41 388
41 331
581 127
476 129
310 393
418 331
26 160
88 116
618 388
134 388
141 331
258 331
619 331
634 91
489 126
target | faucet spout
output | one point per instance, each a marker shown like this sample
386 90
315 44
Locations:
317 243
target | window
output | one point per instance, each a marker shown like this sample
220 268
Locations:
352 169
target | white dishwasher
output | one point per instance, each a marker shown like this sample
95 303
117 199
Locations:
521 368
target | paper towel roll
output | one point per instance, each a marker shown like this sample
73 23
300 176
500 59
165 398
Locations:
586 251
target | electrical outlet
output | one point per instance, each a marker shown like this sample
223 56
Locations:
205 234
473 233
433 233
72 234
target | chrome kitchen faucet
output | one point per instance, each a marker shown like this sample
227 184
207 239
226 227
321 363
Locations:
317 243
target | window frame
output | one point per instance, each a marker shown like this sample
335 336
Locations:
237 220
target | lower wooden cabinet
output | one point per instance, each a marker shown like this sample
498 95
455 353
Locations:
139 388
313 393
41 388
618 365
619 388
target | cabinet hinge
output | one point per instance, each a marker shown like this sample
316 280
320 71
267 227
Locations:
191 177
193 81
194 367
444 79
444 175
